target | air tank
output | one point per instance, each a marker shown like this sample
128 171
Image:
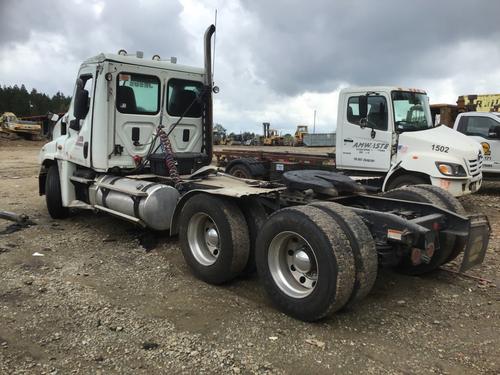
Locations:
151 202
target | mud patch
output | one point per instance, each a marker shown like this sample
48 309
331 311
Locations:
20 222
147 239
12 296
15 227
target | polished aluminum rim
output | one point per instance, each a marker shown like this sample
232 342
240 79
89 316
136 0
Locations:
293 264
203 238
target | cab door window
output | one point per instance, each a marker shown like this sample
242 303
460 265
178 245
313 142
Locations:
138 94
377 112
88 82
477 126
182 98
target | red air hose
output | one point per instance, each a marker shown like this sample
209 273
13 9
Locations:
166 147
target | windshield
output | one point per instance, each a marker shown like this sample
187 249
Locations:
411 111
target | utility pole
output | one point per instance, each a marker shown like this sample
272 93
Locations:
314 122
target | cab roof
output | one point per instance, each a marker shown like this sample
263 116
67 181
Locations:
493 115
134 60
382 89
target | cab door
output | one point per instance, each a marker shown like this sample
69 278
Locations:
135 114
184 111
77 145
365 143
486 130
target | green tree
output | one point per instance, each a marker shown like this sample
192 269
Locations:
218 128
23 103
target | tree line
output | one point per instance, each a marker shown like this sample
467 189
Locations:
23 103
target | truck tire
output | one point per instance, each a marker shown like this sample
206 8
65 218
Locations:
255 216
240 171
449 201
305 262
53 197
362 244
214 238
452 204
446 241
405 180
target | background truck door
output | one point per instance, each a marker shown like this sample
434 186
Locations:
362 147
485 130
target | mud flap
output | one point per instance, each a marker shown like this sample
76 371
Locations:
477 242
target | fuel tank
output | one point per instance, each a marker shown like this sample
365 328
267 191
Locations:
151 202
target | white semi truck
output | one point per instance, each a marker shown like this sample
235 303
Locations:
385 135
136 143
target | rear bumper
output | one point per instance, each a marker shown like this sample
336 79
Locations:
458 187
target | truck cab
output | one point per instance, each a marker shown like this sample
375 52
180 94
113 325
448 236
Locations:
388 131
117 106
483 127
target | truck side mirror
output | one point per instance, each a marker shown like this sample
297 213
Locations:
494 132
363 106
52 117
80 106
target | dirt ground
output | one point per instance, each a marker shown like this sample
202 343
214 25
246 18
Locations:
98 302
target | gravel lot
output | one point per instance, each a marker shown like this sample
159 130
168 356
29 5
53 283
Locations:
98 302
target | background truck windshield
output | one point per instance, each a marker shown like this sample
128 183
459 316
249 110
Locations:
411 111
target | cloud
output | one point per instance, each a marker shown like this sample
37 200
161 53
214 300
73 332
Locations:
60 34
317 45
275 61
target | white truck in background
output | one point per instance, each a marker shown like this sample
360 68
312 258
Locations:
386 139
483 127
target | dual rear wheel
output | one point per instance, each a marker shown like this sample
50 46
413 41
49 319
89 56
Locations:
214 238
317 259
312 260
218 236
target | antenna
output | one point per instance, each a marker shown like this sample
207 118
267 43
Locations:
215 37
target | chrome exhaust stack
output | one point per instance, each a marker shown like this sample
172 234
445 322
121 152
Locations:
208 116
208 55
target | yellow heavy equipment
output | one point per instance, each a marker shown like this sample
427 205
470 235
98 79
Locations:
299 135
271 137
479 103
11 127
447 113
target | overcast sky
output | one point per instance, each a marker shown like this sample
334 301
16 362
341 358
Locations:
276 61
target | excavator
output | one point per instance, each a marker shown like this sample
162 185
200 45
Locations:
12 128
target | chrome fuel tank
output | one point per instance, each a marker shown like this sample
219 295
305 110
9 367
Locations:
151 202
